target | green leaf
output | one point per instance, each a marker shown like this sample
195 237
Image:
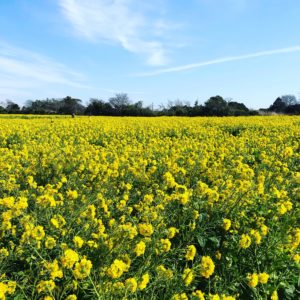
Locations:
290 290
201 241
19 297
201 217
215 240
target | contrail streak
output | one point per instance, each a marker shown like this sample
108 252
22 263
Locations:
219 61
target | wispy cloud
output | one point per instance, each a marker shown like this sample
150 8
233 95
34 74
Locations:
22 71
219 61
123 22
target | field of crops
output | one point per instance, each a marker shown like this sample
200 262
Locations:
149 208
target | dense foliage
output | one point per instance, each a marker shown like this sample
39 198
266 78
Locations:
121 105
287 104
144 208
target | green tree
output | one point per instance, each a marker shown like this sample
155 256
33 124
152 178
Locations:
278 106
216 106
12 108
71 106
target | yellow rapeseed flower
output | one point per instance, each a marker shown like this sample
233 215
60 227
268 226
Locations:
198 295
38 233
144 282
140 248
45 286
245 241
207 266
50 242
131 284
172 232
78 241
226 224
165 245
71 297
69 258
274 296
263 277
256 235
181 296
145 229
54 269
253 280
117 268
191 252
82 269
188 276
296 258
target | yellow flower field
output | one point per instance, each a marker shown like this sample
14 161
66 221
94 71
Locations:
149 208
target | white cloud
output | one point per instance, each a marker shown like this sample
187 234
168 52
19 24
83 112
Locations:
123 22
22 71
220 61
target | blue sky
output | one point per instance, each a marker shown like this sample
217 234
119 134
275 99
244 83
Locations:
156 51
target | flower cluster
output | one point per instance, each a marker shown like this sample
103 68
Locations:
137 208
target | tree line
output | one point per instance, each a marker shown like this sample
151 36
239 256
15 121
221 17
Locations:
121 105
